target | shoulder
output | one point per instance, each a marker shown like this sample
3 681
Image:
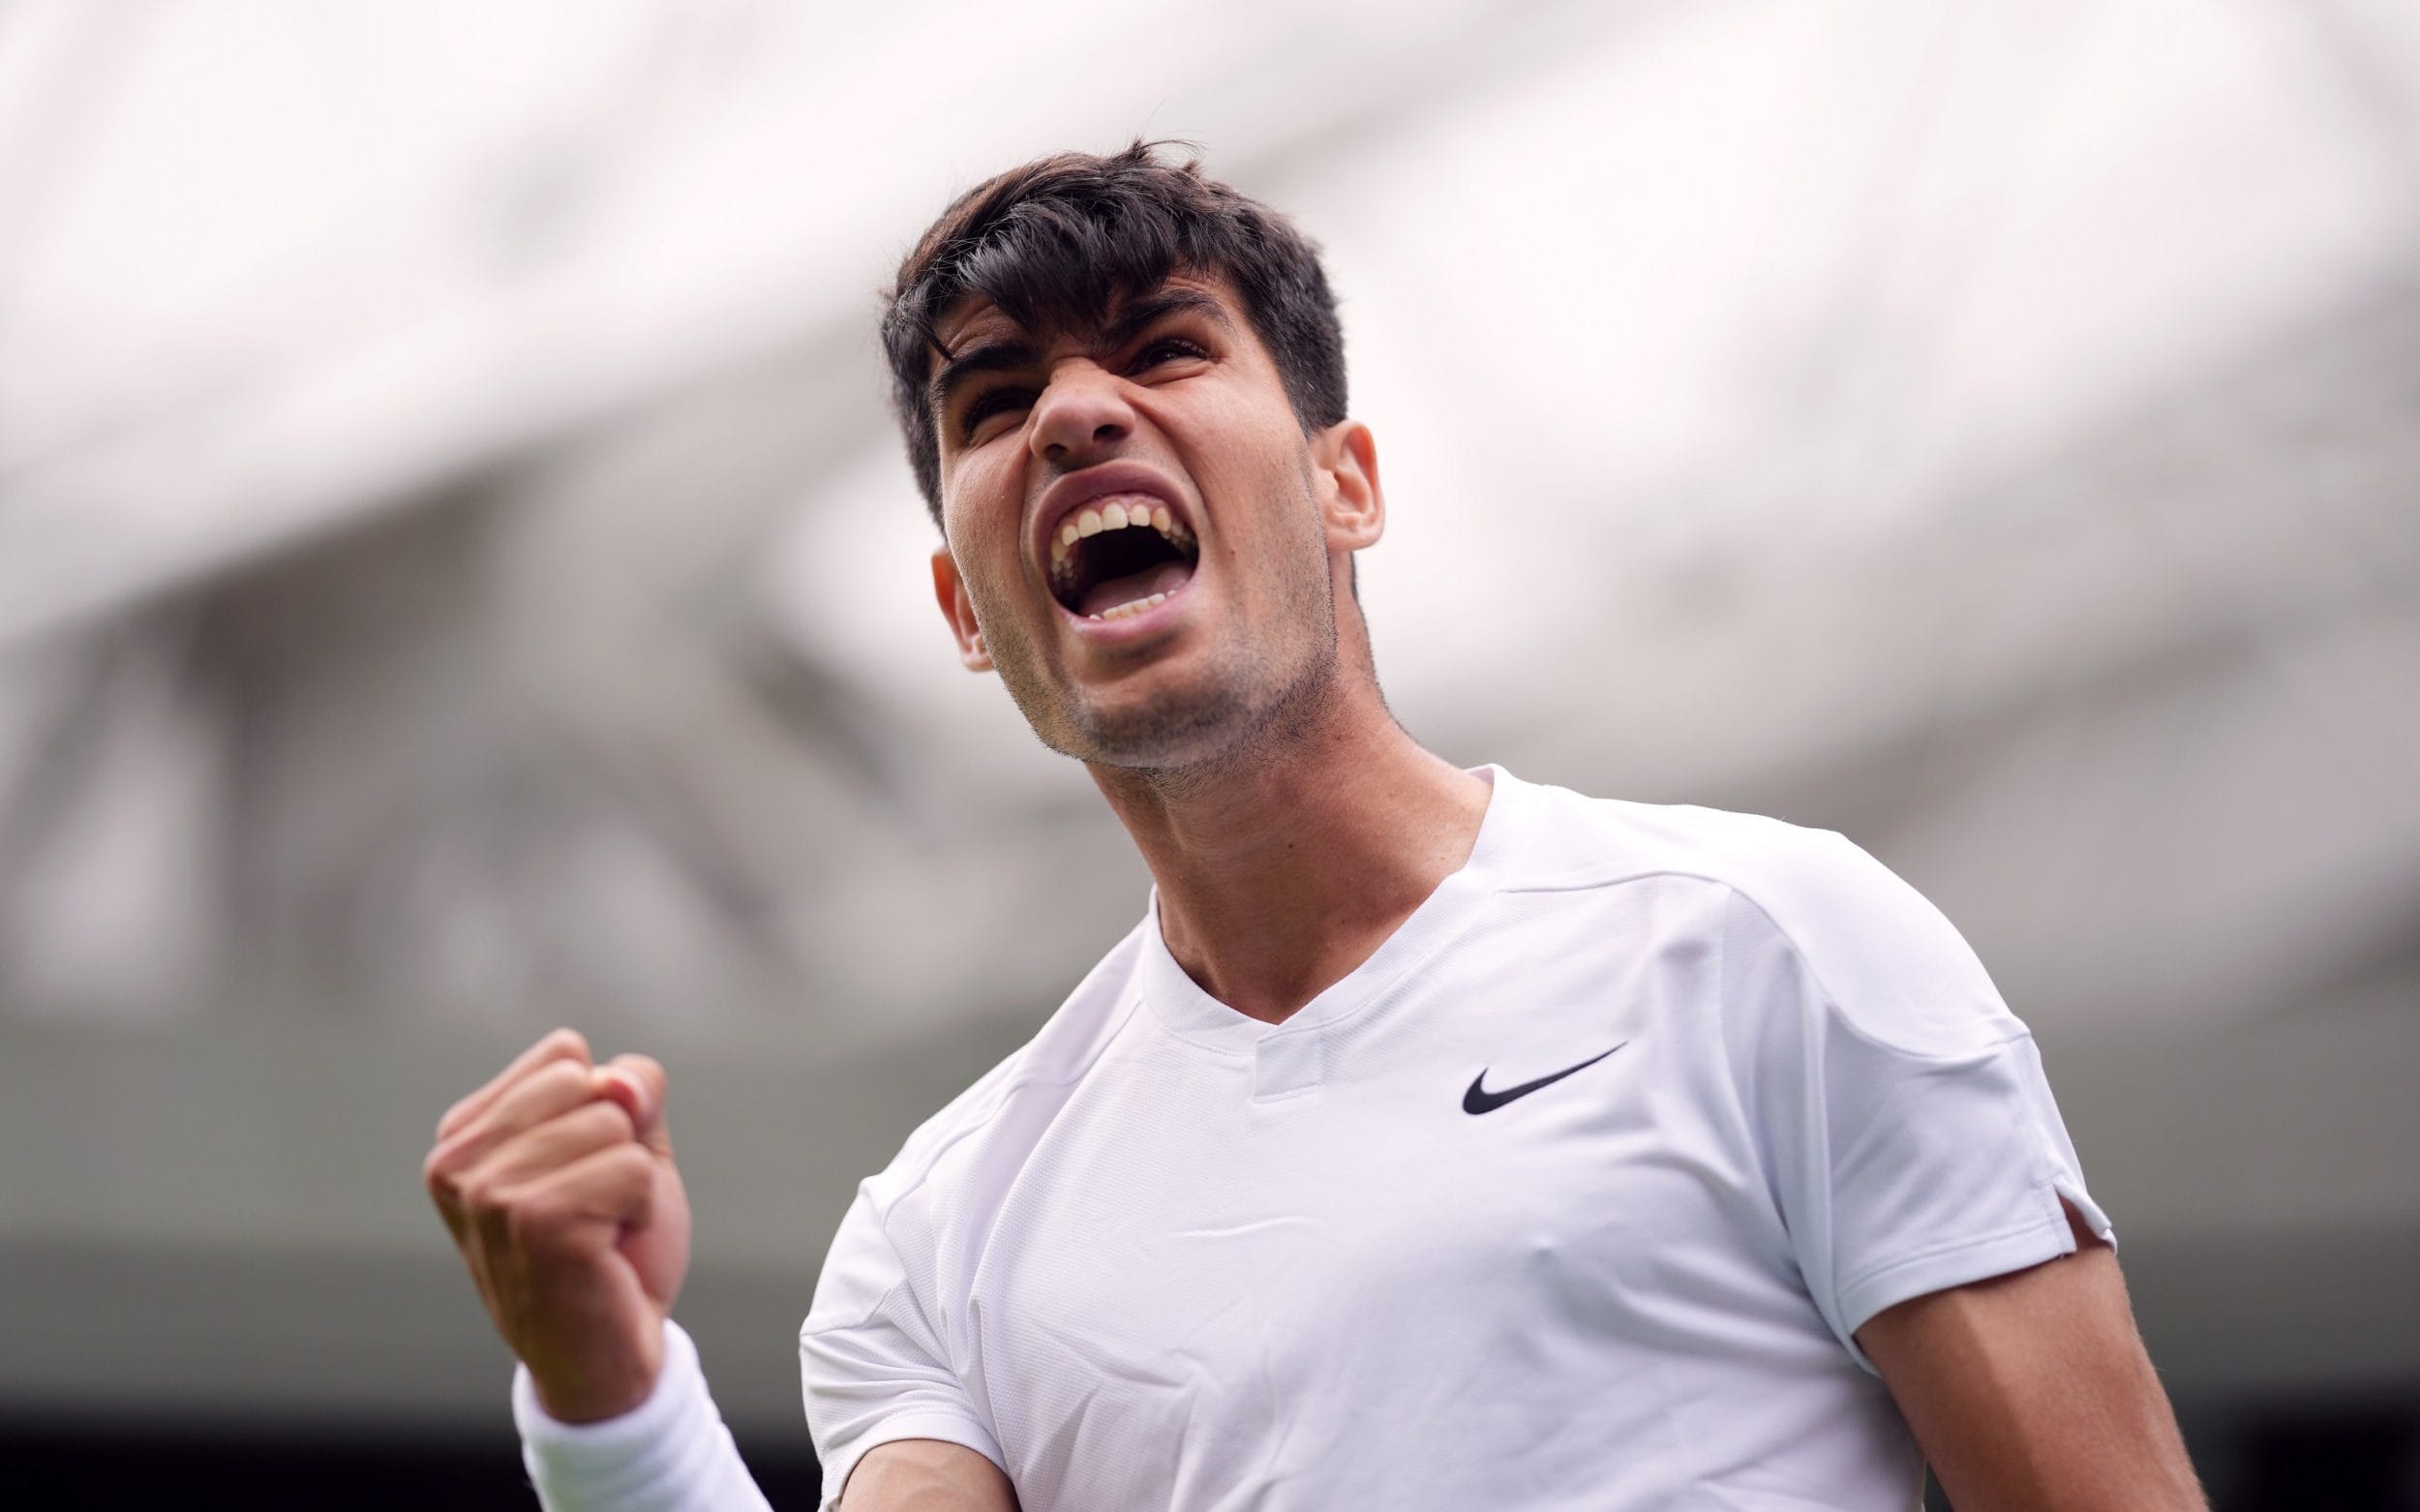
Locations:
1036 1077
1577 836
1806 904
1794 875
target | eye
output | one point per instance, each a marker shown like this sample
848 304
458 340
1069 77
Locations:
992 402
1166 349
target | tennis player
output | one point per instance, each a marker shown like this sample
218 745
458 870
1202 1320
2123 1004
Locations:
1436 1139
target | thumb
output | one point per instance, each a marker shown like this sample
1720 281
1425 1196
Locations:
638 1083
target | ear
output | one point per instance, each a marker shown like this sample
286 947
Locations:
1351 501
950 590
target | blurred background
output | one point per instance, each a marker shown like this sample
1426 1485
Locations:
457 576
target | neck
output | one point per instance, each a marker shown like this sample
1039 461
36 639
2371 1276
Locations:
1280 873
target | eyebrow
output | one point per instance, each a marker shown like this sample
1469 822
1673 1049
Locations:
1010 353
1000 356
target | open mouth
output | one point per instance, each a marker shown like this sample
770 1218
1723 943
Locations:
1119 555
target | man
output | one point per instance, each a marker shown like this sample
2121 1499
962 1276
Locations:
1436 1141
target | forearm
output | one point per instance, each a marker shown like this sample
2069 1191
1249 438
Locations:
670 1454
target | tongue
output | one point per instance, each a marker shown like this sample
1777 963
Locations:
1164 577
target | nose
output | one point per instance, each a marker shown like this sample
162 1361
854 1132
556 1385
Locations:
1080 417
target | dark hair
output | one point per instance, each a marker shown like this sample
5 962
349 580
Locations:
1058 243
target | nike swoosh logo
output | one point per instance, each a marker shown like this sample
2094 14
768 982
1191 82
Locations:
1479 1099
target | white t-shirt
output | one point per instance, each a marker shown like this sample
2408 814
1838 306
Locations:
1573 1195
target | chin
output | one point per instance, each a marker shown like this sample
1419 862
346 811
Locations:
1147 721
1225 715
1163 735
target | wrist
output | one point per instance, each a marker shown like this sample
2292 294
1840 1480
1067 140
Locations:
657 1444
590 1398
586 1394
597 1386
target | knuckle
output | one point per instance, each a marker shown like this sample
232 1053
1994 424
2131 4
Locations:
525 1221
562 1077
632 1163
614 1119
541 1225
632 1176
479 1197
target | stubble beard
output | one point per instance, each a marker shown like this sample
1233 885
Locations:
1247 707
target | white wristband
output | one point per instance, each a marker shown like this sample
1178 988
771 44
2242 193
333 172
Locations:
669 1452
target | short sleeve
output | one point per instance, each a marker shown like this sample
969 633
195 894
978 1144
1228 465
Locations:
874 1366
1898 1109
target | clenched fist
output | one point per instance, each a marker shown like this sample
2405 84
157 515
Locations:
557 1181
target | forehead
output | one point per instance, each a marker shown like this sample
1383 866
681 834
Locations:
973 318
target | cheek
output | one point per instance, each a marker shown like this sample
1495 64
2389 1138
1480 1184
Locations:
983 530
1253 465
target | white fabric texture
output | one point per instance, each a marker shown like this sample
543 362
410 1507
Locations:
669 1454
1168 1257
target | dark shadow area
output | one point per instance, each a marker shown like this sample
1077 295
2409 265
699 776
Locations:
2258 1456
2337 1453
2358 1460
66 1468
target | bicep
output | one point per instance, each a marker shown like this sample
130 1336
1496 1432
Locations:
926 1476
2031 1390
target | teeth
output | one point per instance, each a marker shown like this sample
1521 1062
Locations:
1118 516
1130 610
